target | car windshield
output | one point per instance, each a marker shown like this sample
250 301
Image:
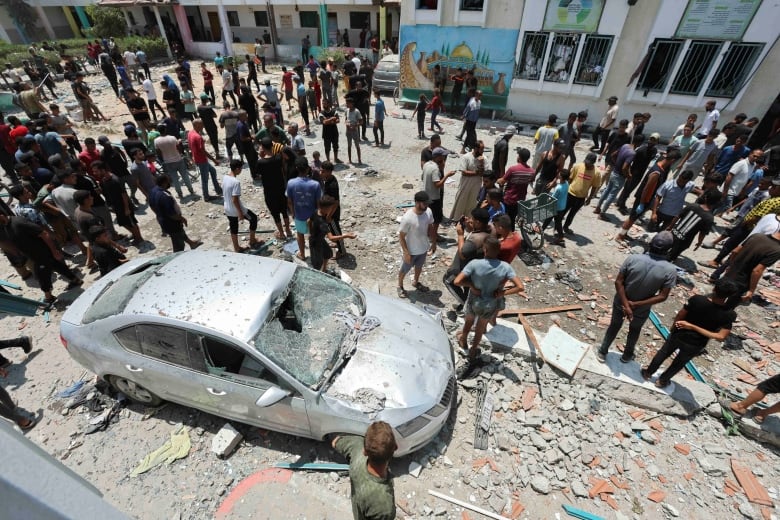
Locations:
301 335
388 66
117 294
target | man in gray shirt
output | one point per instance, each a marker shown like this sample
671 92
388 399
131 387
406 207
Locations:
643 281
433 178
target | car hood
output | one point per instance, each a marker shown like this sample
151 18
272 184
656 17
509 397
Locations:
405 362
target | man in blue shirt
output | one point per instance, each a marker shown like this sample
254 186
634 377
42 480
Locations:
730 155
303 192
470 117
379 119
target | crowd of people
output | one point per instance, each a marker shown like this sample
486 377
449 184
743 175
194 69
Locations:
74 192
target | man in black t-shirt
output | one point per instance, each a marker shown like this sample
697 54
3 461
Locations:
38 245
138 108
701 319
330 130
748 263
695 219
271 168
207 114
107 256
427 152
117 198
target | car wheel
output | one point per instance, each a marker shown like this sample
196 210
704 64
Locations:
134 391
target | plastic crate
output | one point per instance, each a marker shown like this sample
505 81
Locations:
537 209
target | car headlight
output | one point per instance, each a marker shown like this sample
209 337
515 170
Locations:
413 426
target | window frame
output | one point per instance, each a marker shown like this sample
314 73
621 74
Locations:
232 16
679 47
481 8
757 47
540 61
689 68
315 16
581 62
262 13
365 20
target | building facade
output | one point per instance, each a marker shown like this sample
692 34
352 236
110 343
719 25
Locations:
666 57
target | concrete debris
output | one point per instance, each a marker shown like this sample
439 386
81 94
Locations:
225 441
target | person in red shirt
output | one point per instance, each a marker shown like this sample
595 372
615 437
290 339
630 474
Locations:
287 85
90 154
7 150
208 81
435 106
515 182
510 240
201 159
17 130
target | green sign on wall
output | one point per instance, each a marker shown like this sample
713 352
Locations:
573 15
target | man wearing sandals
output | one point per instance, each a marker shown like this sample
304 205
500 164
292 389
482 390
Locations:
418 239
767 386
235 209
486 279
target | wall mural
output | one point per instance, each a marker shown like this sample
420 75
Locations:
489 52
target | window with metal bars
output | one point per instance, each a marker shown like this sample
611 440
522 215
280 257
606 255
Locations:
733 70
594 56
561 59
532 55
471 5
659 63
695 67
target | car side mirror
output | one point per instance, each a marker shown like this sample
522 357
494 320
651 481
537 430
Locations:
271 396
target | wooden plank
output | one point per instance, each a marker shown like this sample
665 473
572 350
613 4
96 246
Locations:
461 503
755 492
531 336
542 310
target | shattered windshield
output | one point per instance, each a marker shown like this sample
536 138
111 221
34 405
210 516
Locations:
302 336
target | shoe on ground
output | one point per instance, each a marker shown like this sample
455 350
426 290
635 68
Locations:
568 231
661 383
26 343
624 359
645 374
74 283
469 369
601 357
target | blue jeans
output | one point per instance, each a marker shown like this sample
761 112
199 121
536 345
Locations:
614 186
176 169
435 123
206 169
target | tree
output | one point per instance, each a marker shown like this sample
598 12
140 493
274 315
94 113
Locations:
107 21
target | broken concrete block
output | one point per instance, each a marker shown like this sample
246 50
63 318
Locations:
225 441
414 469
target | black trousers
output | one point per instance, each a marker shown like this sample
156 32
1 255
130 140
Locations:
685 353
573 206
43 272
379 132
471 134
152 104
738 234
335 227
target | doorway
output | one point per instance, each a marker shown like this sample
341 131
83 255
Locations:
333 30
215 26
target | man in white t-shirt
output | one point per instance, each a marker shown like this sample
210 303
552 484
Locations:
131 62
151 95
710 120
235 209
737 177
417 239
167 149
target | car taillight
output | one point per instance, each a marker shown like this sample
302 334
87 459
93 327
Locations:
64 341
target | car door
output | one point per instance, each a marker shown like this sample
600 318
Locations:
165 365
235 383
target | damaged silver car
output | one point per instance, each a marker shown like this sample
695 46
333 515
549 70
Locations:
265 342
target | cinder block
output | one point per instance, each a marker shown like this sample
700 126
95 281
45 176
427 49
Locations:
225 441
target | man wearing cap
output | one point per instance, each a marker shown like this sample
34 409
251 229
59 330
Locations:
207 114
433 178
501 151
544 138
643 280
605 125
585 180
418 239
642 157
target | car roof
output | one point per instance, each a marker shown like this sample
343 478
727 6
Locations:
227 292
395 58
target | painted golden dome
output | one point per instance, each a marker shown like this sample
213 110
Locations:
462 51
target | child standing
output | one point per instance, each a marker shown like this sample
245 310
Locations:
493 204
436 106
319 250
312 101
422 104
561 193
188 100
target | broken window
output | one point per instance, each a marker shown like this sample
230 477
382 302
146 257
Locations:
472 5
590 70
695 67
659 64
164 343
301 334
232 363
561 60
733 70
532 55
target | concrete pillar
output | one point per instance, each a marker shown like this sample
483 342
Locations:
184 26
227 37
382 25
162 32
45 22
127 20
83 17
324 25
72 22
